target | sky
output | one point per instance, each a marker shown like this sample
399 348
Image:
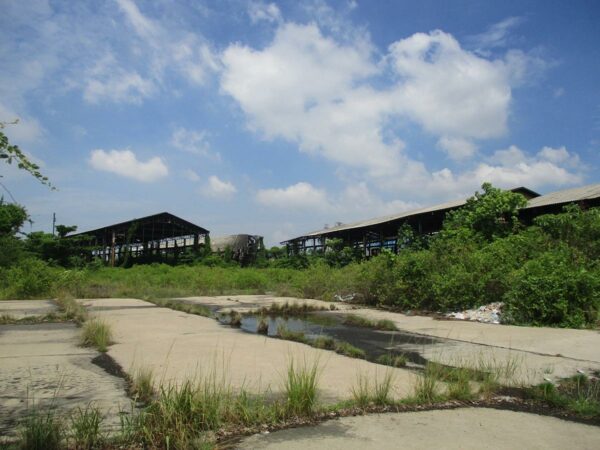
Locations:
279 118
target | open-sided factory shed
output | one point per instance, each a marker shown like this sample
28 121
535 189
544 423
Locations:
374 234
155 237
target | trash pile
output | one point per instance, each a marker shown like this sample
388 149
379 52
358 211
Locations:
491 313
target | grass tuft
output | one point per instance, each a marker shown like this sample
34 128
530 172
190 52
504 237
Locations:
360 321
96 333
393 360
365 393
301 386
142 384
85 427
346 349
263 326
41 431
324 342
297 336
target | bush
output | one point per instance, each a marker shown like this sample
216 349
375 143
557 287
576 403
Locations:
30 278
552 290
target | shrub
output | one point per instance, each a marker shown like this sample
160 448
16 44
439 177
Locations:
553 290
30 278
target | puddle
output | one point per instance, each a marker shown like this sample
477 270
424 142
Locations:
375 343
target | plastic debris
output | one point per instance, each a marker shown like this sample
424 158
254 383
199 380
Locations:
491 313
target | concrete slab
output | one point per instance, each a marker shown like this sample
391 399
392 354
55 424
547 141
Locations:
465 429
43 365
181 346
538 353
19 309
581 345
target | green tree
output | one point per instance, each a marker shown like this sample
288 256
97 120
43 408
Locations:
490 214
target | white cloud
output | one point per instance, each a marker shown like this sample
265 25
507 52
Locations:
126 164
559 156
495 36
259 11
301 195
217 188
191 175
457 148
108 81
26 129
192 141
449 90
323 111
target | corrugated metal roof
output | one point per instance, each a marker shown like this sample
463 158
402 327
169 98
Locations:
384 219
566 196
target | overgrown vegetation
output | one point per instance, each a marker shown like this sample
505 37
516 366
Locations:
96 333
579 394
547 273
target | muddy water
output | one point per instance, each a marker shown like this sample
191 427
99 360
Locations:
374 343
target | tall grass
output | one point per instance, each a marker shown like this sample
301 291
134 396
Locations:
301 387
360 321
41 430
96 333
86 427
142 384
376 391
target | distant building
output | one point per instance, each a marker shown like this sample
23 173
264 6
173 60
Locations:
375 234
159 237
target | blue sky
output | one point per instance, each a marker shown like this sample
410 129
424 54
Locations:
278 118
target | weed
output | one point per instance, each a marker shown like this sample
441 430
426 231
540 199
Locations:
96 333
426 388
284 333
263 326
393 360
41 430
289 309
361 391
235 319
324 342
359 321
6 319
346 349
85 427
72 309
300 385
364 393
142 384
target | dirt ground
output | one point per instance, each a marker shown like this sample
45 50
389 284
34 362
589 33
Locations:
465 429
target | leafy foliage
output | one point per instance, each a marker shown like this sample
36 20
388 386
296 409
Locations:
12 153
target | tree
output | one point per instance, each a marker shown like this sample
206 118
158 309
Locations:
490 214
12 153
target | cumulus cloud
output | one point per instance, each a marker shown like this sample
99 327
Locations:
217 188
449 90
457 148
126 164
334 109
323 111
301 195
259 11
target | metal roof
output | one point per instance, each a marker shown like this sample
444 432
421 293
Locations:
415 212
384 219
569 195
154 227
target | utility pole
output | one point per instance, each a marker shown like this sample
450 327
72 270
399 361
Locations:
53 222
